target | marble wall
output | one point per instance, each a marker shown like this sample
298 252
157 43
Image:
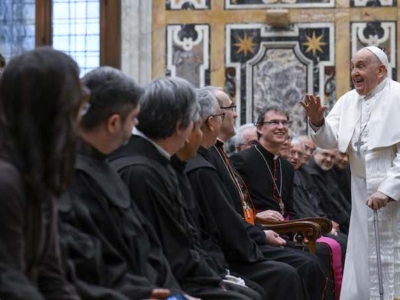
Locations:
229 43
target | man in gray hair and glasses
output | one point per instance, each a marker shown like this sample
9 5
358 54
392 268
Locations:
365 123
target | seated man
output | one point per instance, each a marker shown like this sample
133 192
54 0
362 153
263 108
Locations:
307 205
333 202
224 215
168 108
269 177
110 249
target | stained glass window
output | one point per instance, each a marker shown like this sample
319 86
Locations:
17 27
76 31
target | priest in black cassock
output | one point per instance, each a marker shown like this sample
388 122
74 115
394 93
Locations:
307 205
269 178
111 251
268 241
168 107
333 202
222 222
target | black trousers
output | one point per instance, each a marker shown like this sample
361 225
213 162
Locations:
312 273
274 277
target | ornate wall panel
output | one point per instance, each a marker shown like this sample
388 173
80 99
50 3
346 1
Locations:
257 63
373 3
260 4
188 53
187 4
380 34
273 67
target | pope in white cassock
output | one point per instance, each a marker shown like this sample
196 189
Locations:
365 122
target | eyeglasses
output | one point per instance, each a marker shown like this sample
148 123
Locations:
250 143
222 115
277 123
231 107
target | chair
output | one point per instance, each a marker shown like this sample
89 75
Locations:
309 228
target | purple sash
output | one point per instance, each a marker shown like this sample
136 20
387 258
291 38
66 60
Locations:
336 263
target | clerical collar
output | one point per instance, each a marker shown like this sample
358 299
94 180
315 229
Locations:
376 90
160 149
266 153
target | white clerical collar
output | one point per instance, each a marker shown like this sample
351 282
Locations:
160 149
377 89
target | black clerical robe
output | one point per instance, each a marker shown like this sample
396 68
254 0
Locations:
155 189
28 233
307 265
110 249
269 179
228 230
333 202
342 178
306 204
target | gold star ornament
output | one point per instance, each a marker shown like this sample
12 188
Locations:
314 43
244 44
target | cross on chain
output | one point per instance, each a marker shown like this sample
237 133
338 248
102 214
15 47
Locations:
358 144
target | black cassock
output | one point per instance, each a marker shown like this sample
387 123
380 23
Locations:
307 265
223 234
269 179
155 189
333 203
307 205
110 249
343 180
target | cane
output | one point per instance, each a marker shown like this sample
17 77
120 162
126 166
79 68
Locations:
378 253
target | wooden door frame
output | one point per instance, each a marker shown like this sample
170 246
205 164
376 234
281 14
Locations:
110 29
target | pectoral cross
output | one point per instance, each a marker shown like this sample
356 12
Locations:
358 144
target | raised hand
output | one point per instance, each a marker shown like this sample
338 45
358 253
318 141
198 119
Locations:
314 109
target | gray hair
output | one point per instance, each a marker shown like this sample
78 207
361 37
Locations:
207 103
297 141
166 101
214 90
238 138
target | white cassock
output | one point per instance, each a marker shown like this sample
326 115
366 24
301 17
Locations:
376 118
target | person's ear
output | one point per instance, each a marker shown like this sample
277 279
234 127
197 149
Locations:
114 124
382 71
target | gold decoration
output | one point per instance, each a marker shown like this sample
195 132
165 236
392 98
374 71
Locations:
245 44
314 43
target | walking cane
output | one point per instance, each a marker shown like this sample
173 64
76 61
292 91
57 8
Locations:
378 253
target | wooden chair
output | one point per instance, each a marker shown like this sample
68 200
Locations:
309 228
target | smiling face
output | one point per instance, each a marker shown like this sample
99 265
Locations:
325 158
274 133
366 71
